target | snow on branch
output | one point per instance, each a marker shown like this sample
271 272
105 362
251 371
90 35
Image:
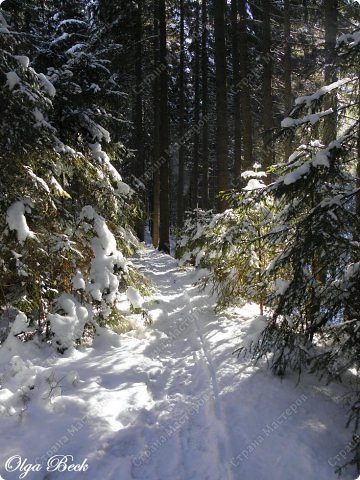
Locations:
309 99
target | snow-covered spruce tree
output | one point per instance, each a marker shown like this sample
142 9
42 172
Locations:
61 264
314 321
232 243
25 133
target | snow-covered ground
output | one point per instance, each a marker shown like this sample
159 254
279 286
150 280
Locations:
169 401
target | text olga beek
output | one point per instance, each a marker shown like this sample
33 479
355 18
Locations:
56 463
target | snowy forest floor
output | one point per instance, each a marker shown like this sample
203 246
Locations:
169 401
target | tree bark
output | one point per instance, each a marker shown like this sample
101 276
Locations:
287 76
164 240
221 101
139 130
330 74
204 107
236 92
156 136
358 152
267 86
245 90
196 80
180 199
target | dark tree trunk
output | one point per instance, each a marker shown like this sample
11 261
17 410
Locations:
138 120
164 240
287 75
180 199
266 85
156 136
245 89
221 101
358 152
330 76
236 92
204 107
196 77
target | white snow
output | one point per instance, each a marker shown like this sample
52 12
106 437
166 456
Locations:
106 258
253 174
100 156
12 79
71 21
23 60
62 148
20 324
78 282
134 297
47 85
68 326
15 218
316 143
41 122
3 24
38 180
254 184
75 48
313 118
169 401
60 38
321 159
352 39
280 286
58 188
95 87
308 99
296 174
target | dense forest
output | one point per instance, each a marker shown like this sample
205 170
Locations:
223 132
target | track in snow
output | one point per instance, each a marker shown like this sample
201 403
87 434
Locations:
204 434
171 401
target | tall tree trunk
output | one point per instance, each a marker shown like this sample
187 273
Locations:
196 77
139 130
221 101
204 107
164 240
236 92
180 199
287 75
266 85
330 74
245 89
156 136
358 152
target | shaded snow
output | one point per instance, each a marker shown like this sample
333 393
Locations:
23 60
296 174
3 24
12 79
321 159
352 39
170 401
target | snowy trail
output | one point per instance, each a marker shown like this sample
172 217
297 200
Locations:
170 401
200 372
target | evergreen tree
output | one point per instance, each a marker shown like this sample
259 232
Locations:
60 255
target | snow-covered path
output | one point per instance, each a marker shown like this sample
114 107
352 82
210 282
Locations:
169 401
